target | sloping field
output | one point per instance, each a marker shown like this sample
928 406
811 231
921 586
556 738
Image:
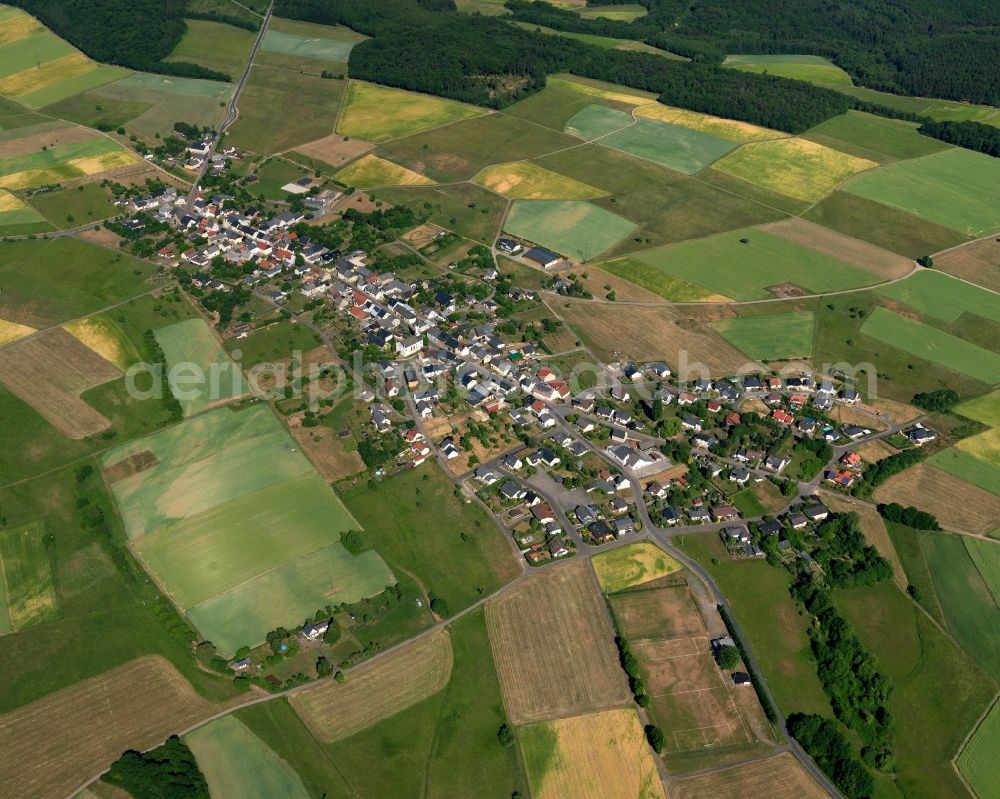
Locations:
606 91
957 504
595 121
873 137
794 167
559 662
377 690
778 777
86 727
103 335
578 230
774 337
957 188
201 374
940 296
600 756
979 761
307 47
49 371
686 150
933 345
968 467
811 68
743 264
371 171
720 127
523 180
378 113
64 162
633 565
27 577
237 764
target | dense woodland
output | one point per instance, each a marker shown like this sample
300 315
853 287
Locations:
167 772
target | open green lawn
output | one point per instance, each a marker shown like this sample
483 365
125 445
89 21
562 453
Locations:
306 47
934 345
939 692
27 593
940 296
773 337
873 137
201 374
688 151
460 150
812 68
597 120
50 281
237 764
725 265
957 188
69 207
968 467
576 229
758 594
980 760
969 607
417 523
888 227
467 209
215 45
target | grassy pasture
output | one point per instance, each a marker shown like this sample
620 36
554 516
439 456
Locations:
792 166
986 556
956 188
627 567
338 50
811 68
980 758
63 162
236 763
66 86
79 205
985 446
377 690
599 755
934 345
15 215
774 337
370 171
565 666
467 209
379 113
214 45
667 286
595 121
723 265
523 180
719 127
27 593
686 150
191 345
579 230
940 296
873 137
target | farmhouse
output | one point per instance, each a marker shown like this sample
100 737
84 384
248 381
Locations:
544 258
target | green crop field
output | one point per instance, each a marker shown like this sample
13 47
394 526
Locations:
98 75
306 47
957 188
795 167
75 206
968 467
47 282
668 286
579 230
236 763
597 120
942 297
773 337
726 266
16 217
985 409
979 762
27 593
934 345
873 137
32 50
688 151
812 68
169 84
968 605
986 556
54 160
469 210
378 113
215 45
201 372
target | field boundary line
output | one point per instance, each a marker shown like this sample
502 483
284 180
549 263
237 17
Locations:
968 738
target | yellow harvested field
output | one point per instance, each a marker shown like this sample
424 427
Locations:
12 331
17 27
96 334
554 647
8 202
778 777
632 565
985 446
618 94
49 747
728 129
522 180
371 172
887 265
958 505
598 756
93 164
873 526
377 690
794 167
874 451
75 168
60 69
49 372
335 149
